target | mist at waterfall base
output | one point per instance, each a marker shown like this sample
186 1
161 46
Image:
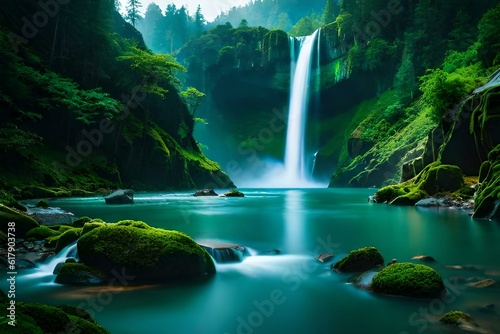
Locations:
296 171
280 287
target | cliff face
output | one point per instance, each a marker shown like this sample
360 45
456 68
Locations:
76 117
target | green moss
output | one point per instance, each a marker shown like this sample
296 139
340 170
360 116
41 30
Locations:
23 223
81 221
24 325
454 317
359 260
488 193
82 326
77 312
433 179
133 223
234 193
149 253
40 318
67 238
409 280
90 226
41 233
49 318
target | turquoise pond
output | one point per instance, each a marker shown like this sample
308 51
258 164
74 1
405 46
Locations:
289 292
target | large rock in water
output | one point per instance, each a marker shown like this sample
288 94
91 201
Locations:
145 253
408 280
359 260
22 223
120 197
205 192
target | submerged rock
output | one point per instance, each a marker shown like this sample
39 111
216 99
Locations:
120 197
482 284
425 258
79 274
145 253
408 280
463 321
326 257
224 252
359 260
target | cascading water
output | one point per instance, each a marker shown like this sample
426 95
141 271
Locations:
297 173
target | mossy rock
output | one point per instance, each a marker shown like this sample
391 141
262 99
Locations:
234 193
408 280
455 318
24 223
77 312
442 178
24 325
149 254
67 238
81 221
41 318
41 233
434 178
81 326
91 226
359 260
79 274
50 319
42 204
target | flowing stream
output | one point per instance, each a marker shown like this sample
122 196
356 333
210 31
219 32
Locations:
279 287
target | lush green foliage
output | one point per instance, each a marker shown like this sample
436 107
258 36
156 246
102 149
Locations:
408 280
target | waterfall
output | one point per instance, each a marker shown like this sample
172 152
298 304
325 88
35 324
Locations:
296 170
46 270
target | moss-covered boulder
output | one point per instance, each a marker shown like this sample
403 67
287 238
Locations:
41 233
40 318
433 179
408 280
148 254
91 226
359 260
80 274
234 193
455 318
67 238
81 221
24 223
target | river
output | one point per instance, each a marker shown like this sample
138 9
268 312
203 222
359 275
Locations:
281 288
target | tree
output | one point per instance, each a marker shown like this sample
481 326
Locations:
243 24
199 21
133 14
489 37
193 98
329 13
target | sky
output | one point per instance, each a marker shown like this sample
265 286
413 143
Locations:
209 8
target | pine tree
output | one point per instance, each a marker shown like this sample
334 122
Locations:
329 14
199 21
133 14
